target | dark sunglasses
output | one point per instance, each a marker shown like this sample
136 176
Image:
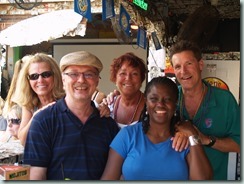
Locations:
14 121
35 76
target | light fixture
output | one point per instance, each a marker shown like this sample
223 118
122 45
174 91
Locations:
134 26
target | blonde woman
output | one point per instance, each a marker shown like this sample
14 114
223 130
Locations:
39 84
13 124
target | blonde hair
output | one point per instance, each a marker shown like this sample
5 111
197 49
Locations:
17 67
2 102
24 95
16 110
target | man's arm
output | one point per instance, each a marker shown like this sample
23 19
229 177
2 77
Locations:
221 144
38 173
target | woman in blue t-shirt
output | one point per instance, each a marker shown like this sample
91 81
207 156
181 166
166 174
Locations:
144 151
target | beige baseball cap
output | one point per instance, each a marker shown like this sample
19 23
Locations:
80 58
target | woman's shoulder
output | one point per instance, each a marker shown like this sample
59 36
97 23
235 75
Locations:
130 133
135 128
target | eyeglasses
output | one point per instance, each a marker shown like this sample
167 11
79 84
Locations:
45 75
76 75
14 121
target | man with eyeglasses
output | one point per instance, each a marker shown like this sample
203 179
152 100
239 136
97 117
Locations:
69 140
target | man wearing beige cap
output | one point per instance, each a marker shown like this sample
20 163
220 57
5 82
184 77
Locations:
69 140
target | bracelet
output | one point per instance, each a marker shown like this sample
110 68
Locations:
212 141
194 140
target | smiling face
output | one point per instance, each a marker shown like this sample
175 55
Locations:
161 104
14 119
187 69
128 79
41 86
80 82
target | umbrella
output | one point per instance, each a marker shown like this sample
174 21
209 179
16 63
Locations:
48 26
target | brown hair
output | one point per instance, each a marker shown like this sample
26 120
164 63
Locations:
133 61
185 45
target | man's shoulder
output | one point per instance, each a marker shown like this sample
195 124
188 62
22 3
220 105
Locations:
108 122
223 95
221 92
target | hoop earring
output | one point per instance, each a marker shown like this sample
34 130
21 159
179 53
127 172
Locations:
146 117
175 114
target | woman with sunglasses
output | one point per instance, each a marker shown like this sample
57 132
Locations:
13 123
39 83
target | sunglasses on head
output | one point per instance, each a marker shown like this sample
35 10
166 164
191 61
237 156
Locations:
14 121
35 76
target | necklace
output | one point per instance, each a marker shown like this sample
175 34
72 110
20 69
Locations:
133 116
199 104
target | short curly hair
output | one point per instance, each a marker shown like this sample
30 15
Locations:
133 61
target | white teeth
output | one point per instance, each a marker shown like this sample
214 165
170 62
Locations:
80 88
160 112
185 78
41 86
127 85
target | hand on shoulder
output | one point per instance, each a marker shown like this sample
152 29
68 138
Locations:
110 97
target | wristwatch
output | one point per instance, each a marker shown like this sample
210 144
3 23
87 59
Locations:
194 140
212 141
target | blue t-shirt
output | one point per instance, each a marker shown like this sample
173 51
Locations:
59 141
144 160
